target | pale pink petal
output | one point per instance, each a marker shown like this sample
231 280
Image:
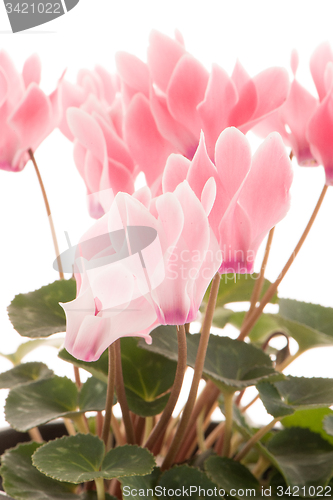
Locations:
148 148
184 96
175 172
143 195
320 133
296 112
110 83
171 219
272 86
3 87
163 55
233 160
32 118
294 61
31 72
180 137
247 97
208 195
15 80
220 98
71 96
179 37
92 172
116 148
133 71
87 131
270 177
116 177
79 153
318 62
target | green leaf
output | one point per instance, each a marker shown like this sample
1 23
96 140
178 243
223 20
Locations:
39 402
314 419
25 348
296 393
22 374
232 476
233 365
92 395
222 317
328 424
81 458
239 290
131 486
147 376
145 373
145 408
313 315
98 369
264 327
24 482
38 314
183 478
304 458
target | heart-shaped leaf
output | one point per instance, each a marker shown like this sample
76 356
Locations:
38 314
24 373
81 458
23 481
183 481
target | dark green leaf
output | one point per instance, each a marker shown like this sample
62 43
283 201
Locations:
314 419
313 315
131 486
239 290
232 476
181 478
38 314
24 482
22 374
304 458
145 373
295 393
81 458
233 365
93 395
39 402
145 408
98 369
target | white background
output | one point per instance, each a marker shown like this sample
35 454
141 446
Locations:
259 33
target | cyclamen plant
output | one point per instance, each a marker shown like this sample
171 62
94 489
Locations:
158 262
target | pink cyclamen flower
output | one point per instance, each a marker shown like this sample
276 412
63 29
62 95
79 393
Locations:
177 97
101 157
292 118
27 115
159 283
252 194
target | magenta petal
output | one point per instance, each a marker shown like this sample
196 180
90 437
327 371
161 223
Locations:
133 71
163 55
148 148
184 96
220 98
32 119
31 72
318 62
87 132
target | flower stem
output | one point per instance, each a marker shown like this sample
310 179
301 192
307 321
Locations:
251 321
228 412
48 211
255 438
260 281
109 394
99 482
177 385
121 395
198 368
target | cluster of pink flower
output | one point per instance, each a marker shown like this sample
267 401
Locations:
183 127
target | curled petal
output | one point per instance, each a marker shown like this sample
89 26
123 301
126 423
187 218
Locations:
87 132
31 72
318 62
133 71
